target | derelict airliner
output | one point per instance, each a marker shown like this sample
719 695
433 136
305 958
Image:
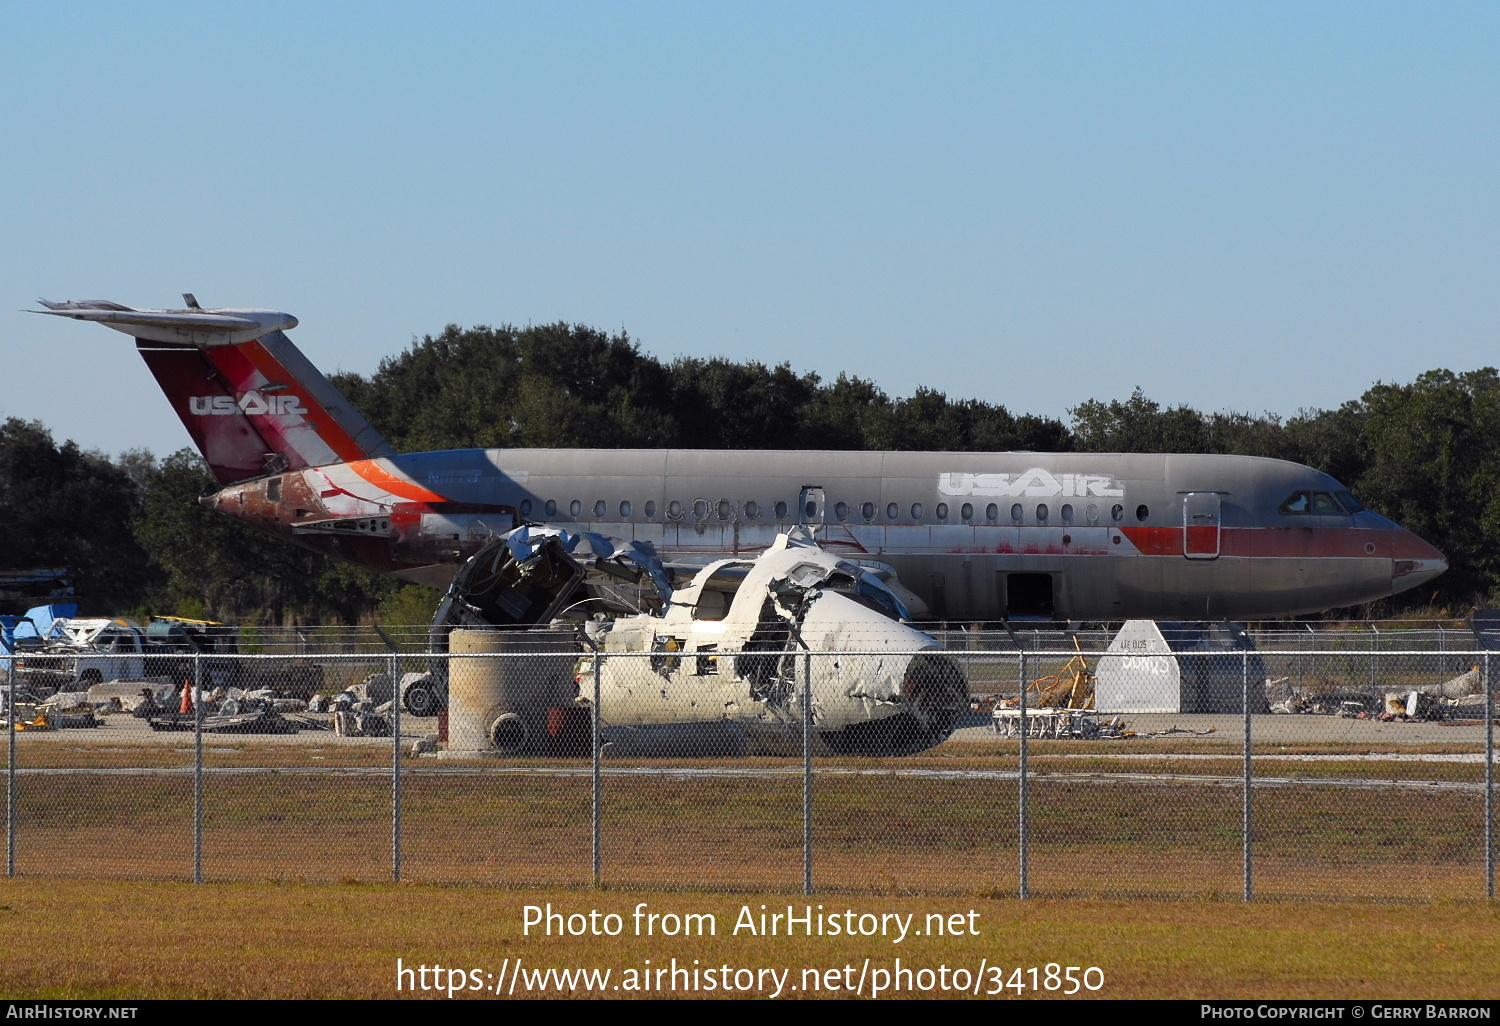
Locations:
968 536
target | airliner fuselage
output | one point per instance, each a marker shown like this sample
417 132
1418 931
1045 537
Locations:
975 536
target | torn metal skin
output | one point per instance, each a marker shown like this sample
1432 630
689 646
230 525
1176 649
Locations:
735 645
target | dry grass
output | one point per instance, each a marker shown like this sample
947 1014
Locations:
75 939
876 834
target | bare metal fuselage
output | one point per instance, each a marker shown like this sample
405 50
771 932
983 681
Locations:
975 536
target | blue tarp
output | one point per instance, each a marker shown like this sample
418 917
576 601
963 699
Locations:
33 625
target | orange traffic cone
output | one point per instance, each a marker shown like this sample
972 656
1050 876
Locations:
187 697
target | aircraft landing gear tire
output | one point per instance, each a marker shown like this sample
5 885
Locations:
422 700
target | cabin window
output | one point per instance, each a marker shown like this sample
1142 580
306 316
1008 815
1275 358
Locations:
942 511
892 511
1092 513
599 508
625 509
841 510
1016 512
968 511
650 509
525 507
781 510
575 508
707 660
700 509
726 509
1117 512
664 657
867 511
674 509
916 511
992 512
752 510
1042 511
811 509
550 508
1067 512
1142 512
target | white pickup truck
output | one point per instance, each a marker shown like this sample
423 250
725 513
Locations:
90 650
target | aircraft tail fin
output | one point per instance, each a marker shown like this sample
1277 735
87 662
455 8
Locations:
253 404
259 407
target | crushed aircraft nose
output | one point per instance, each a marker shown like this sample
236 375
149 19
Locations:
741 644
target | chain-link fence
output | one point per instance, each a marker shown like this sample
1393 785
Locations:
1366 771
1315 637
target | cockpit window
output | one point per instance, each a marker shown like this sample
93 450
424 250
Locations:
867 590
1350 503
1314 502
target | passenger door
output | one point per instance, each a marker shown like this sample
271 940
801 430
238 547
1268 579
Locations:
1200 525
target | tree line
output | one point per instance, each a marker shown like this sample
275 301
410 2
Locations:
1426 454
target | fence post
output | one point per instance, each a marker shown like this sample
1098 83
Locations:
195 691
1374 655
1489 781
1313 636
1024 842
10 771
597 798
1247 854
807 766
395 671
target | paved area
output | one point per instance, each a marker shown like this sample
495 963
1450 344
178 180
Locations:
1274 729
125 729
1268 729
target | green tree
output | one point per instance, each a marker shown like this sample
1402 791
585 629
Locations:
1432 463
62 506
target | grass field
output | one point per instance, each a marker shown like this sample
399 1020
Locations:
1369 866
124 940
1099 826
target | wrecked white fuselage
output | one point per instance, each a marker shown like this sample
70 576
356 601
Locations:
739 643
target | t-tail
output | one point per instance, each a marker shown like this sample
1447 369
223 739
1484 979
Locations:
252 402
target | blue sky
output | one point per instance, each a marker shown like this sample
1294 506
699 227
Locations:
1248 207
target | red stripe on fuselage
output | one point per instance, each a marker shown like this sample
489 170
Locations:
1312 542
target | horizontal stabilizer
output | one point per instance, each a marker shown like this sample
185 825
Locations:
193 326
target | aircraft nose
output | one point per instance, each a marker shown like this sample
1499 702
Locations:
1413 561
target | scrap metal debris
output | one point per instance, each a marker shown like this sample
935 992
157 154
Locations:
1059 724
1070 688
